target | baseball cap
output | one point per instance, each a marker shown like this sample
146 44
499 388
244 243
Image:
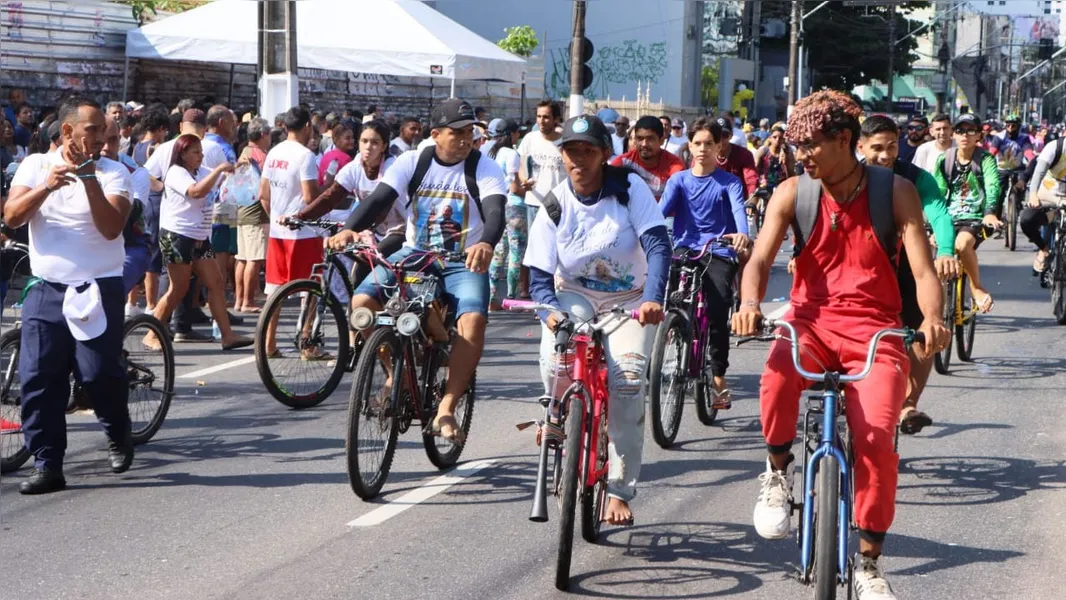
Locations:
967 119
134 106
919 119
586 128
454 114
194 115
53 130
498 127
725 123
677 122
84 311
607 115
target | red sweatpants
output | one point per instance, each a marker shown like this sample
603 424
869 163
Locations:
873 406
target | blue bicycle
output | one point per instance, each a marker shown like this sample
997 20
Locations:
828 478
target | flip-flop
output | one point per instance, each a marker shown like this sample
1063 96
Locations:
913 421
250 311
437 429
318 356
275 354
723 400
240 343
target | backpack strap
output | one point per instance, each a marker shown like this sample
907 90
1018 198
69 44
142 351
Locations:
470 172
879 186
425 160
948 168
619 177
550 204
805 205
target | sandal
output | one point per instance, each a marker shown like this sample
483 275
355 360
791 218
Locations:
1039 264
445 426
912 420
315 354
723 400
276 354
238 344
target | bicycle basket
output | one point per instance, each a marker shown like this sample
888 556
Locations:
421 286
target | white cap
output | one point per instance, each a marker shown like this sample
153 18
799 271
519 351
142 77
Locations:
84 311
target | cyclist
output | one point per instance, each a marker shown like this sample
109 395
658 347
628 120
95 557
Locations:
879 145
969 180
835 322
1012 149
1047 188
602 252
706 202
647 157
774 160
442 202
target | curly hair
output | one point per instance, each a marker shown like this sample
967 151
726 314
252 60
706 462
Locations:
829 112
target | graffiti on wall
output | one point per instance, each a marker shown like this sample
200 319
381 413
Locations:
628 62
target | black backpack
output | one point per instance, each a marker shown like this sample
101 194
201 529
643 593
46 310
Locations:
425 160
617 175
947 168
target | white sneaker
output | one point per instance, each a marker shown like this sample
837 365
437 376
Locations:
870 583
132 310
773 511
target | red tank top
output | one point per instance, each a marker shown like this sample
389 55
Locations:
844 279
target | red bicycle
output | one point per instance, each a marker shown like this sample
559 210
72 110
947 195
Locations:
573 432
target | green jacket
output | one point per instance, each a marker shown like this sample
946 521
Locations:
936 212
964 198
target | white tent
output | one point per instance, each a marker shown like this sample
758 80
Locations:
386 37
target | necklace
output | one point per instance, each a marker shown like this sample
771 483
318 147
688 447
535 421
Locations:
845 206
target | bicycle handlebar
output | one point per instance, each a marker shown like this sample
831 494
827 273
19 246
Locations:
13 245
332 226
719 242
529 306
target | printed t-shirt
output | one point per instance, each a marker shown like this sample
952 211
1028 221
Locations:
288 165
180 213
655 178
541 160
359 185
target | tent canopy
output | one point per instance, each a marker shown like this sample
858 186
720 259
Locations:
386 37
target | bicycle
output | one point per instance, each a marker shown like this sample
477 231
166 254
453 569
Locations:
756 210
960 313
826 514
1014 198
573 432
1054 276
679 355
310 308
151 389
412 331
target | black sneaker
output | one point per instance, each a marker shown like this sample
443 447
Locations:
120 455
191 336
197 316
43 481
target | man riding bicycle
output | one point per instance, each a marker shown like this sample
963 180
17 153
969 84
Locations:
844 291
1047 189
475 226
1013 150
601 241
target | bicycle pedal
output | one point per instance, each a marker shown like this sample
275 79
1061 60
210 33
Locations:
524 425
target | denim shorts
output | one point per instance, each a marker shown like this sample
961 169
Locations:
463 290
138 259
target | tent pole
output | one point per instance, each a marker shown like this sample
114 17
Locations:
229 100
126 80
452 93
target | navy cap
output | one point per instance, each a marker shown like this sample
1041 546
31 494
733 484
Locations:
967 119
586 128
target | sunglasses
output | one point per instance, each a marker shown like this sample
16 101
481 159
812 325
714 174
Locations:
915 127
677 127
967 131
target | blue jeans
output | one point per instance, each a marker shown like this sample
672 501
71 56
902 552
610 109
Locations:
138 259
463 290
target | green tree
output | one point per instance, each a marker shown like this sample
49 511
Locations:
520 40
709 86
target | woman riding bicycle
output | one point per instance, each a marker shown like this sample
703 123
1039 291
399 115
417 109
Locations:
707 203
599 242
774 161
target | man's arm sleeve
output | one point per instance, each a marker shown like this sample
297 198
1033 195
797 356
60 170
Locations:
992 190
1039 173
494 208
936 212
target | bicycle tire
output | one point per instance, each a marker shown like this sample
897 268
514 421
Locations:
575 417
1010 238
942 359
13 450
965 332
142 435
360 402
1058 284
826 532
666 415
328 384
594 498
464 415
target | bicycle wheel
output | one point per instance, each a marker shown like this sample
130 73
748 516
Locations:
312 344
667 382
1010 238
826 532
370 441
151 376
964 333
571 473
13 450
1058 285
942 359
444 453
594 498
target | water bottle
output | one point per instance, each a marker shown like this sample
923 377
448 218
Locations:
216 333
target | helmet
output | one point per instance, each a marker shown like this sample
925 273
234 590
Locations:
1013 118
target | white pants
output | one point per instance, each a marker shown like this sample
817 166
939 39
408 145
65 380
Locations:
626 345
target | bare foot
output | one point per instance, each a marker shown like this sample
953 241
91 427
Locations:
447 427
618 512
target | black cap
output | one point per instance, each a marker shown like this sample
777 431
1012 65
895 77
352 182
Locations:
53 131
454 114
919 119
967 119
586 128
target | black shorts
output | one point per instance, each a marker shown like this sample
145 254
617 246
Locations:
181 250
979 232
911 315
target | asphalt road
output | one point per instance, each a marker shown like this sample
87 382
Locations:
239 497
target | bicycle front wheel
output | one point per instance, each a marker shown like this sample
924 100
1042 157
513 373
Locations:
667 381
442 452
310 347
570 476
826 528
1058 284
370 442
150 374
1010 237
964 333
942 359
594 497
13 451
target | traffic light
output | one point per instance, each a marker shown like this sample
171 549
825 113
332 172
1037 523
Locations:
586 50
1047 48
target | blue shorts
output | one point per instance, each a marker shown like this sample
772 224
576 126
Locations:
224 239
463 290
138 259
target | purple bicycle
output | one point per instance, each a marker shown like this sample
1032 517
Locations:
679 356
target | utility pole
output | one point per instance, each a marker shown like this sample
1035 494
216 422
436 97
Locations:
278 84
577 87
891 54
756 40
793 53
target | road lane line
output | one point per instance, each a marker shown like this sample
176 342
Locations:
417 496
215 369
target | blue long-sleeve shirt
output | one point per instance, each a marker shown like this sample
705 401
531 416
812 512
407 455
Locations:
705 207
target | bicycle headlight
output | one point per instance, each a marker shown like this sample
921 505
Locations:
396 305
408 324
362 318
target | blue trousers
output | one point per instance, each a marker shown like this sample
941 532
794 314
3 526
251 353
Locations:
49 353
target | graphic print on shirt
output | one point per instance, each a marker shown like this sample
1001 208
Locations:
440 217
601 272
965 198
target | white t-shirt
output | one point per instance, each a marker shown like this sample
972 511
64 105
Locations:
353 178
288 165
619 144
159 162
141 181
507 159
927 154
442 215
596 247
65 246
739 137
426 143
675 144
398 147
542 161
1056 173
190 217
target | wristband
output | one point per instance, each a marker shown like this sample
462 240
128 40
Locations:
87 176
87 162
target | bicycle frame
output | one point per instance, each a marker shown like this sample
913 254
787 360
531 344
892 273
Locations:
590 375
832 408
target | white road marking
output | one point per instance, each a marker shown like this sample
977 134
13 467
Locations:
427 491
215 369
779 312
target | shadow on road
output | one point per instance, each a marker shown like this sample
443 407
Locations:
974 480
